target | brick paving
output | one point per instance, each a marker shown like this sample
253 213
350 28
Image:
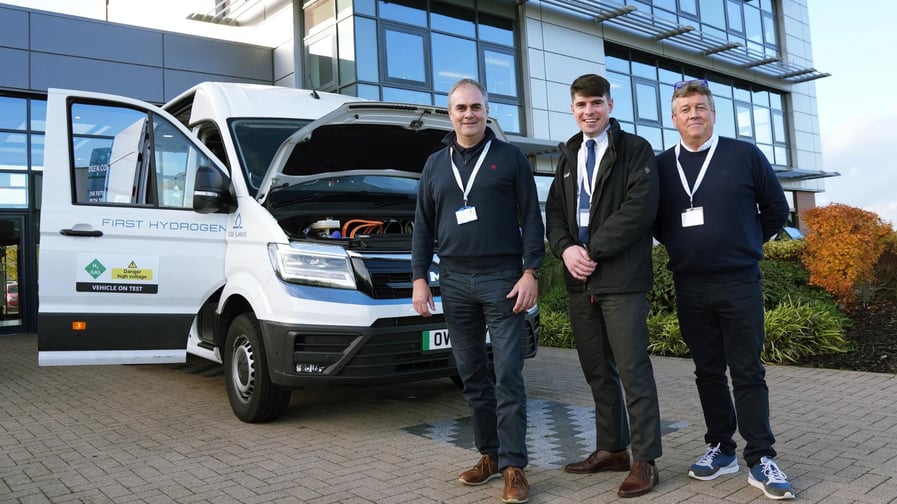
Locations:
166 434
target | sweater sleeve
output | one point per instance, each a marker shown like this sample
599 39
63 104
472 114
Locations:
771 201
530 214
422 240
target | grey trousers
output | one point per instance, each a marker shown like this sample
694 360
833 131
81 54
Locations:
611 334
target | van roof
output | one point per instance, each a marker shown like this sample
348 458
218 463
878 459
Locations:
233 99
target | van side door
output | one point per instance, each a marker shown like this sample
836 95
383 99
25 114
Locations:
126 261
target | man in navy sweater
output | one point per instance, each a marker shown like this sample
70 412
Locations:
720 200
478 200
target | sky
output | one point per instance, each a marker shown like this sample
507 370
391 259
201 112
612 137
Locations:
857 104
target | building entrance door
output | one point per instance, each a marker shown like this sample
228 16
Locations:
12 307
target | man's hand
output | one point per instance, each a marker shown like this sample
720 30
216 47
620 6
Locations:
578 262
526 290
422 298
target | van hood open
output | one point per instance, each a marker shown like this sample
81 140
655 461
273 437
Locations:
361 136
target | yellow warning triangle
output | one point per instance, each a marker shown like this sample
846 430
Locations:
132 265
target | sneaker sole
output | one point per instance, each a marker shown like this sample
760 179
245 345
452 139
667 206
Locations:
515 501
757 484
475 483
729 469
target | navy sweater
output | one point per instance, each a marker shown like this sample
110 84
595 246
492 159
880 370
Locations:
743 204
508 233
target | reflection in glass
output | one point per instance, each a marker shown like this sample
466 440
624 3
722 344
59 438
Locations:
320 62
318 17
501 73
12 113
37 152
743 120
725 117
366 49
621 92
406 95
13 190
508 116
652 135
646 102
38 115
496 29
762 126
452 19
13 152
405 56
405 11
346 50
453 59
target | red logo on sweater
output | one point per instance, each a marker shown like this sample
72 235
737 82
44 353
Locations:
492 167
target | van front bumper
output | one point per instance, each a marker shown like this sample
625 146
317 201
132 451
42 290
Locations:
389 351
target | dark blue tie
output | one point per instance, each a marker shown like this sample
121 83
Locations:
584 199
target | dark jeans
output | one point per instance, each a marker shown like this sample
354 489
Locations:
611 334
471 302
723 325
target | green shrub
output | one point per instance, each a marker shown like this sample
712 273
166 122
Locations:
664 335
662 297
555 329
798 330
784 250
786 280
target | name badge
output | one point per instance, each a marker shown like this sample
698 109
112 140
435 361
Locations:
693 217
466 214
584 218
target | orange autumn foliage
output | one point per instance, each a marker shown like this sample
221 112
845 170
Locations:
843 246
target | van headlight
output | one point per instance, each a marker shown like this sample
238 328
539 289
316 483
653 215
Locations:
312 264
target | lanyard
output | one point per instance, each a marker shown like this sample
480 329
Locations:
473 175
600 148
691 192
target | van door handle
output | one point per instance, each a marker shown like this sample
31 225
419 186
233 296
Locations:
81 230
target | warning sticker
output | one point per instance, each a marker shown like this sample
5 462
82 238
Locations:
116 273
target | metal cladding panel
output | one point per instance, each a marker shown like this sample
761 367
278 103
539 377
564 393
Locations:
13 29
15 67
95 39
219 57
55 71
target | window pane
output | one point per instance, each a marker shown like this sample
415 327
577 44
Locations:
365 7
108 144
653 135
501 73
762 126
12 113
614 64
320 62
669 77
769 31
37 152
318 17
713 13
346 50
452 19
736 22
752 25
743 119
406 95
621 92
405 56
761 98
366 49
176 163
38 115
508 116
725 117
781 156
775 101
646 70
767 151
13 151
453 58
13 190
368 92
496 29
670 137
778 128
666 105
688 7
405 11
648 109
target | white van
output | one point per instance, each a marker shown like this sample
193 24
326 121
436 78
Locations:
266 228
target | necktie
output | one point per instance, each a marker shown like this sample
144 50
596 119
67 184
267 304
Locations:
584 199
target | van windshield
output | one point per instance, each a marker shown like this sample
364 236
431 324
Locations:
257 140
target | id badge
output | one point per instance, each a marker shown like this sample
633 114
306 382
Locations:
693 217
466 214
584 218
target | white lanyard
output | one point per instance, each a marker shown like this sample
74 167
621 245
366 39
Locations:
691 191
473 175
600 148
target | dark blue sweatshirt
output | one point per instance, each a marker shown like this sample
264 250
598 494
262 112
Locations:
743 204
508 233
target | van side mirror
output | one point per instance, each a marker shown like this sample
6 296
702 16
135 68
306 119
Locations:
212 192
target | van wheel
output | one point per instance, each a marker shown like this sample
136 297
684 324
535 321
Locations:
251 394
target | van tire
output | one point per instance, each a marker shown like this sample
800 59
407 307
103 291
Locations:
251 394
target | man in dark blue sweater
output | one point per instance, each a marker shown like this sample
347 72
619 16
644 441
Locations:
720 200
478 200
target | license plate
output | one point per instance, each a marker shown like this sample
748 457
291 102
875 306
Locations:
437 339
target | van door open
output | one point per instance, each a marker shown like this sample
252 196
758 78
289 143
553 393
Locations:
125 260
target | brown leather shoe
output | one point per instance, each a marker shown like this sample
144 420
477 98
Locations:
642 478
516 487
486 469
600 460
